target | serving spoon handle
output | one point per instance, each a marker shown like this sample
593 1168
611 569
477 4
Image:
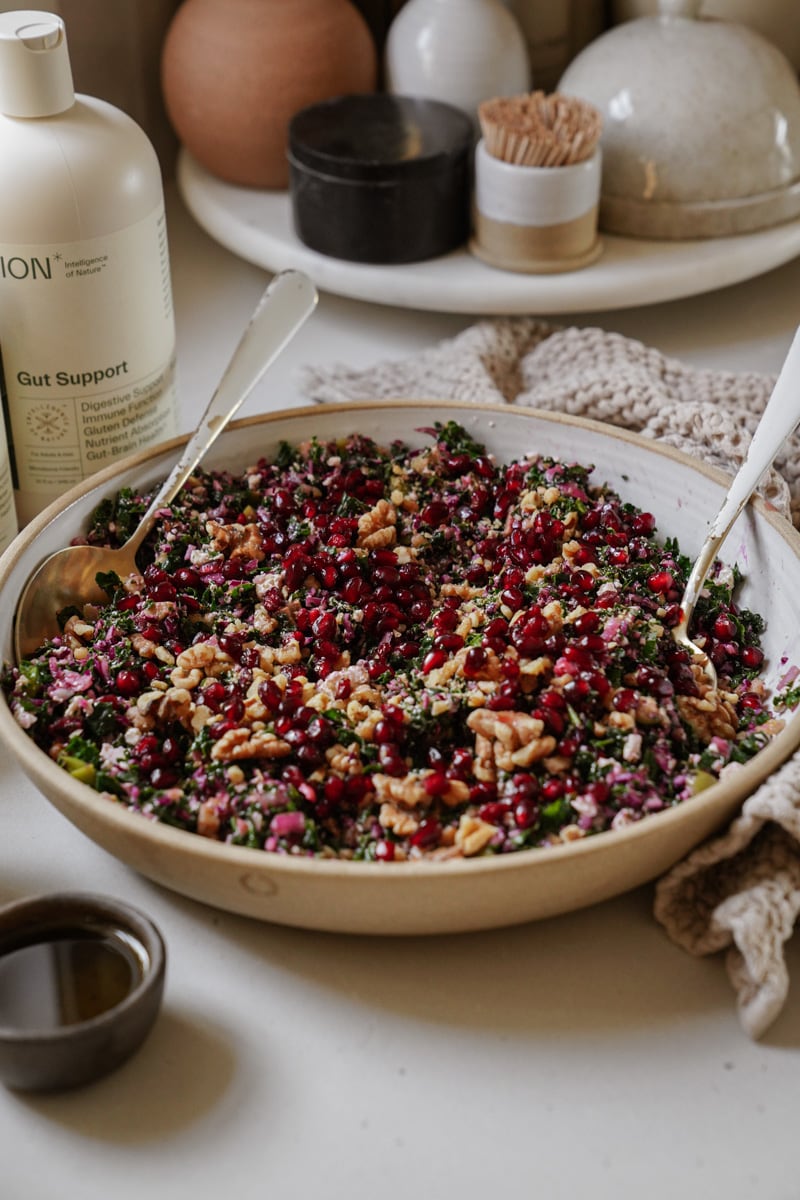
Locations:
288 300
69 577
779 420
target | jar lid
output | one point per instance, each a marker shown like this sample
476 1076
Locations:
379 136
701 125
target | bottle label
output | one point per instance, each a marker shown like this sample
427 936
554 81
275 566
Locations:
87 334
8 515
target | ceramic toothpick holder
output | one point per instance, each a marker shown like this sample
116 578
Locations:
536 219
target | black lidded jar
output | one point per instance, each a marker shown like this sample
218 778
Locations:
379 178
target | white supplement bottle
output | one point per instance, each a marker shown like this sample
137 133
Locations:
87 331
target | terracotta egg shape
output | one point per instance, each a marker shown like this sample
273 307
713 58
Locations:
235 71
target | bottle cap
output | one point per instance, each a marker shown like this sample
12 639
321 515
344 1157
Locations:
35 72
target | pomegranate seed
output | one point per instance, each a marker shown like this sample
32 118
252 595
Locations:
592 642
497 628
493 811
128 683
488 548
213 695
324 626
293 776
434 514
272 600
672 615
164 777
449 642
553 720
582 580
503 503
598 683
643 523
526 814
162 591
512 597
127 603
660 581
436 784
384 850
231 644
391 760
427 834
576 654
461 763
525 786
149 669
552 789
170 749
433 660
233 709
474 662
752 657
654 681
387 576
147 745
719 655
420 610
477 575
587 622
618 557
724 627
328 651
385 732
445 620
218 728
354 590
334 790
751 700
598 791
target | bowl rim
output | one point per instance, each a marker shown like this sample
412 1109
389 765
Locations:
738 785
48 912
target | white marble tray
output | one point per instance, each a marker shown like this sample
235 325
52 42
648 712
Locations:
257 226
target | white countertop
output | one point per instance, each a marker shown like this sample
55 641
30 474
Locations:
580 1057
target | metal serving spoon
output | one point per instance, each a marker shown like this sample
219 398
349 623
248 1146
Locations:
778 421
68 577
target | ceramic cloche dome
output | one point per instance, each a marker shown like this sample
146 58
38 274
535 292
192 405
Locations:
701 130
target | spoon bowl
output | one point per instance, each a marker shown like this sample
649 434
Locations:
69 577
779 420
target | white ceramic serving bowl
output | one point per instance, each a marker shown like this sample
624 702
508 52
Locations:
459 895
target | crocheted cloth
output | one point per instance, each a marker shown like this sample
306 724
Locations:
741 890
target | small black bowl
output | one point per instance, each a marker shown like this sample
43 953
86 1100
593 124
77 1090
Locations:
81 982
379 178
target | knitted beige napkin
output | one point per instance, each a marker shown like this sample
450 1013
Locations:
741 890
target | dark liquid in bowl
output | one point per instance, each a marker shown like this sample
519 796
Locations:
66 979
